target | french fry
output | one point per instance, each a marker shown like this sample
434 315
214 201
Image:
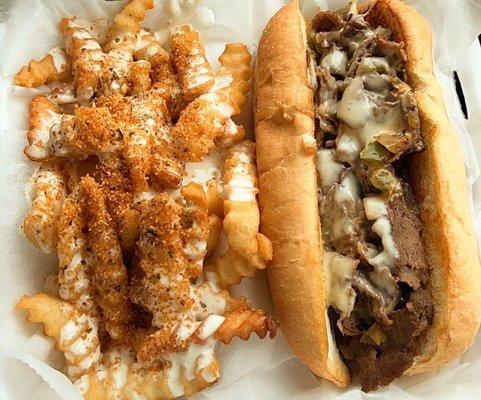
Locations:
231 268
99 129
120 74
86 56
126 25
139 77
163 74
147 46
109 273
44 114
152 115
75 258
215 228
151 382
232 78
90 131
47 191
215 202
243 322
248 250
195 72
75 333
166 80
198 125
194 222
113 175
137 153
163 286
232 81
206 121
241 211
54 66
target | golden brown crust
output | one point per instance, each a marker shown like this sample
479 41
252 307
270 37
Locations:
288 195
284 118
439 181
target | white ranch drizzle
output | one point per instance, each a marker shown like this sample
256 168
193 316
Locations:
59 59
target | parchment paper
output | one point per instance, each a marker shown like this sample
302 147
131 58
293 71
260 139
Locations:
258 369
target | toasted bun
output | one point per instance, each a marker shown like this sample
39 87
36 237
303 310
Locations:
284 123
439 181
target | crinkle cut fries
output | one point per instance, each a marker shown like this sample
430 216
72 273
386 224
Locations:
137 314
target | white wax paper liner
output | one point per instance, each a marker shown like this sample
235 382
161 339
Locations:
259 369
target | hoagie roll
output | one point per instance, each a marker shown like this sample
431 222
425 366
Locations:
363 193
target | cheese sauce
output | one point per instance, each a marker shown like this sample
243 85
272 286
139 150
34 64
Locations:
338 271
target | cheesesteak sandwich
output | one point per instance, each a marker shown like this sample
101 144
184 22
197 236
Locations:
363 194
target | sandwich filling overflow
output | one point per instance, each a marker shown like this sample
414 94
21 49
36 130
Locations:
374 262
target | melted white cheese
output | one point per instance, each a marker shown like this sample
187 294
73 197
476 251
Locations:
339 272
372 64
376 209
347 149
328 169
355 108
335 61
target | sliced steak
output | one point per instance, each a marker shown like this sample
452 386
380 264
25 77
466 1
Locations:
406 230
377 366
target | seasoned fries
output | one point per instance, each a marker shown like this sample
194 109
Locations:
47 191
86 57
75 333
53 67
127 24
75 258
44 114
162 72
139 314
195 227
207 119
248 250
140 380
160 251
244 321
112 174
195 72
108 270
